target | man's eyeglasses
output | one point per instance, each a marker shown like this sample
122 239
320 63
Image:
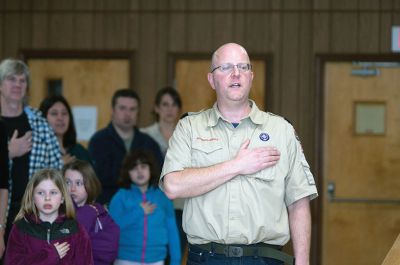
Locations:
228 67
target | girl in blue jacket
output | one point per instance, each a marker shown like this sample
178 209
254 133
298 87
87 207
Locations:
144 214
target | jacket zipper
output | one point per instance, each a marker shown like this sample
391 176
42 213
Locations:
144 230
48 235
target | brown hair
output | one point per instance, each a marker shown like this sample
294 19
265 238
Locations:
90 180
131 161
28 205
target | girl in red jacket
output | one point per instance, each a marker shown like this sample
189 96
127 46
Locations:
45 231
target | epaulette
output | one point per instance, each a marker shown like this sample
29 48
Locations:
190 113
276 115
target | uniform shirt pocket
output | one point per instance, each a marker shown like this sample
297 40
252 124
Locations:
267 174
206 153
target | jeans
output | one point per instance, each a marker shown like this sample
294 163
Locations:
198 256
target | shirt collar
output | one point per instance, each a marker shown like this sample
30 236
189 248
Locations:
255 114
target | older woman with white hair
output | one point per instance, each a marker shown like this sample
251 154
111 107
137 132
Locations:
32 144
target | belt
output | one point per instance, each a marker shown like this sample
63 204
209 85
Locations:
261 249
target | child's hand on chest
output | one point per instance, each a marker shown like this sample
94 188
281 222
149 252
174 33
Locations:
148 207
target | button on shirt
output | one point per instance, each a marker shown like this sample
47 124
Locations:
247 209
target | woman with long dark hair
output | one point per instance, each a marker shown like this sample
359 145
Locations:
59 115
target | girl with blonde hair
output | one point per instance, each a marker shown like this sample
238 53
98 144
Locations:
44 230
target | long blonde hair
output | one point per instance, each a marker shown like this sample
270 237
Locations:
28 205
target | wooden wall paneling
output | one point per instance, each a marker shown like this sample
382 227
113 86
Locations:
223 22
162 6
273 96
134 5
275 4
204 5
396 5
61 5
344 4
99 5
257 5
150 5
321 32
395 19
306 5
116 5
305 92
133 21
147 59
368 31
12 5
200 29
177 26
240 4
83 30
25 30
40 30
177 31
369 5
41 5
289 67
87 5
386 4
369 25
177 5
291 4
61 30
385 32
11 36
162 50
258 28
321 5
344 32
98 30
26 5
239 27
115 30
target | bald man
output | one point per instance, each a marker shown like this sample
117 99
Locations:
242 171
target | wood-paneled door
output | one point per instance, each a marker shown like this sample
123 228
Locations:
85 82
360 162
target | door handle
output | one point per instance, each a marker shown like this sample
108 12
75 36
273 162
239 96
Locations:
331 188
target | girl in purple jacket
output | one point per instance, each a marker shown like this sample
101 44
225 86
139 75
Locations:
45 231
84 187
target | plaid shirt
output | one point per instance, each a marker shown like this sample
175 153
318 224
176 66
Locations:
45 151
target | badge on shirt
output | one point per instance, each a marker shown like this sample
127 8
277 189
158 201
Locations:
264 137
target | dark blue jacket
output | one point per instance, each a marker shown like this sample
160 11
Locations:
108 151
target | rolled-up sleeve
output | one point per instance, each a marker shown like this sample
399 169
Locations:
179 151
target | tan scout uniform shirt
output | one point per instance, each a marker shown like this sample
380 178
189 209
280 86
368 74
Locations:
249 208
